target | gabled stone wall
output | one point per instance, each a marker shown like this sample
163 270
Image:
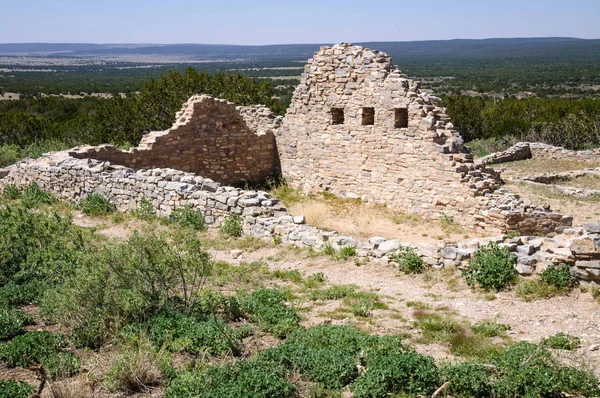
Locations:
210 138
358 127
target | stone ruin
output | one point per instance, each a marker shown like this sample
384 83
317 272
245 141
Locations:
357 126
211 138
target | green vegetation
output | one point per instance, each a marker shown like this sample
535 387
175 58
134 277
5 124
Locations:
233 226
13 389
176 320
95 205
562 341
491 268
555 280
408 260
188 217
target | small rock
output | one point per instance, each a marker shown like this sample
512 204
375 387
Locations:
526 250
594 347
299 220
389 246
236 253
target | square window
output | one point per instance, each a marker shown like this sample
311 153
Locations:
368 116
337 115
400 118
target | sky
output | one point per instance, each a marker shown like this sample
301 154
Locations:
285 22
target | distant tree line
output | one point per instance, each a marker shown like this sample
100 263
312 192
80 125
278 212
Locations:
573 124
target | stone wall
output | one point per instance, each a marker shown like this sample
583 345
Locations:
358 127
210 138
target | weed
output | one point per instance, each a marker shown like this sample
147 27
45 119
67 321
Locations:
15 389
536 290
145 210
492 268
562 341
277 240
289 275
11 192
418 305
468 380
560 277
33 196
267 308
13 322
436 327
408 260
232 226
95 205
188 217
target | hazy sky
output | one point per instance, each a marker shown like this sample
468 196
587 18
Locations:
281 21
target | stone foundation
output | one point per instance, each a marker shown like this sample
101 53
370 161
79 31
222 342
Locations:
537 150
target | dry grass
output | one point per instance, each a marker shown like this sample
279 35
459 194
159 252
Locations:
78 387
589 181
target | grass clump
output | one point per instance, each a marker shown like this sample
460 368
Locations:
232 226
95 205
188 217
436 327
11 192
33 196
267 308
13 322
490 329
137 368
15 389
562 341
492 268
554 281
408 260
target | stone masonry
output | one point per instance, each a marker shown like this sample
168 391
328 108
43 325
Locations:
210 138
358 127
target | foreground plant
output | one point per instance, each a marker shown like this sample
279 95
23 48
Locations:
492 268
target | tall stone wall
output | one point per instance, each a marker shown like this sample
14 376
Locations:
359 127
210 138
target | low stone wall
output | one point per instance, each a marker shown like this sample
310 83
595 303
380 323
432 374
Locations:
536 150
211 137
265 217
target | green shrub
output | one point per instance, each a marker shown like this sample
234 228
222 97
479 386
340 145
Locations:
345 253
188 217
530 371
11 192
15 389
243 379
95 205
560 277
267 308
33 196
408 260
145 210
562 341
43 348
492 268
9 154
13 322
407 373
530 290
25 292
468 380
178 332
91 332
233 226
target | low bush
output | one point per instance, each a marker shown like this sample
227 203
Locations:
91 332
33 196
61 364
15 389
267 308
468 380
13 322
95 205
188 217
560 277
177 332
407 373
408 260
243 379
232 226
145 210
31 347
491 268
562 341
11 192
